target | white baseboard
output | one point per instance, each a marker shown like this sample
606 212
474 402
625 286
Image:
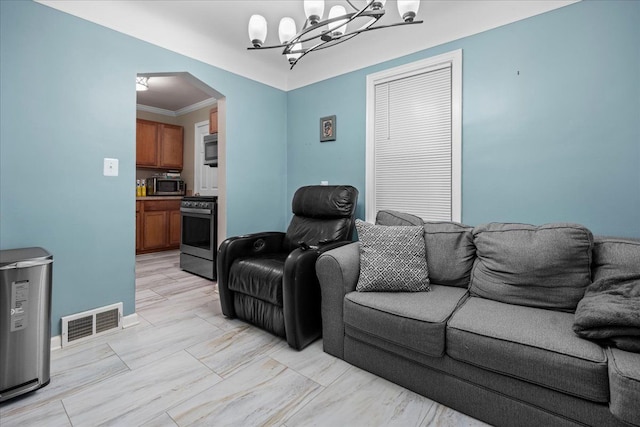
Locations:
130 320
127 322
56 342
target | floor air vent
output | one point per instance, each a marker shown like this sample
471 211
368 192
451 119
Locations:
81 326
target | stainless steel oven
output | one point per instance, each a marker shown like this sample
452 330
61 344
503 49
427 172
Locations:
199 240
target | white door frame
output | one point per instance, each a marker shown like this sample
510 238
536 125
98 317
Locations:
200 130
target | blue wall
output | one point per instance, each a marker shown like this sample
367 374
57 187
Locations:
68 100
560 141
551 121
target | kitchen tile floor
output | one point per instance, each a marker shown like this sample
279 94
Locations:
186 364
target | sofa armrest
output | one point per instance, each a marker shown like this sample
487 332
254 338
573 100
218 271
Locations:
338 271
240 247
624 385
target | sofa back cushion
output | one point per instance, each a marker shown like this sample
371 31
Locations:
450 249
546 266
615 256
450 253
388 217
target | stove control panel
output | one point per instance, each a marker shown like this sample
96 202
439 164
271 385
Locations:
197 204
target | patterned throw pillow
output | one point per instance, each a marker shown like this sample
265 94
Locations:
392 258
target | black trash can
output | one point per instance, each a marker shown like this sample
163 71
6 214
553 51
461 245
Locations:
25 320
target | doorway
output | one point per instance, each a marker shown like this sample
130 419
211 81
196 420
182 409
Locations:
180 99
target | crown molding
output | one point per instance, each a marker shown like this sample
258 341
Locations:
149 109
197 106
180 112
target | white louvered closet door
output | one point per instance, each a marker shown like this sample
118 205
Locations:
413 145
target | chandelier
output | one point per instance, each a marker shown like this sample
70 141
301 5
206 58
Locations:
317 34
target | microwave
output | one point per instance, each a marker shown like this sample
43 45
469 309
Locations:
211 149
157 186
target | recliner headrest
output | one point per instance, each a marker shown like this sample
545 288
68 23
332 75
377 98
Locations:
325 201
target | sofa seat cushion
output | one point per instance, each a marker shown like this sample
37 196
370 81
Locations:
414 320
259 277
532 344
624 377
547 266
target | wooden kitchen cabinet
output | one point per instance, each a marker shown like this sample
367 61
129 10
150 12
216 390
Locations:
213 120
159 225
175 228
138 226
171 146
154 234
146 143
159 145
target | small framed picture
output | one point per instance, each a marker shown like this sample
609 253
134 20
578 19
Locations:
328 128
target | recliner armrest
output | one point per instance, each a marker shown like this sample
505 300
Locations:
238 247
301 294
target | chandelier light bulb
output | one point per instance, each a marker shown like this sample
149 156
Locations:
376 4
257 30
408 9
337 28
313 10
287 29
292 57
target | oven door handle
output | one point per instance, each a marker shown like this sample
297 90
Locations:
196 211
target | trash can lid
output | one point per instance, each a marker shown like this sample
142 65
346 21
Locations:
9 256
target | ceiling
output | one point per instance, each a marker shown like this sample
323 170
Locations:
215 31
177 93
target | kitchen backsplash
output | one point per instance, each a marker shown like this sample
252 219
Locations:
148 173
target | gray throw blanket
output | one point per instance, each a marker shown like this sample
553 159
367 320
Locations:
610 312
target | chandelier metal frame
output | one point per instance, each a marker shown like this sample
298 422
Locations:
327 36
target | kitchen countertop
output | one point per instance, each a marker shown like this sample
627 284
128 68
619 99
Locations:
159 198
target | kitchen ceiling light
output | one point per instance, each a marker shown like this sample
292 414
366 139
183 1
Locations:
142 83
319 34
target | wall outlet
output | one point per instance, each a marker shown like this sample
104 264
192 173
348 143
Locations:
110 167
324 182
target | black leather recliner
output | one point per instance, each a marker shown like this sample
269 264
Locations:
269 279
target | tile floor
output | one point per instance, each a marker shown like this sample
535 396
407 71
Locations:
185 364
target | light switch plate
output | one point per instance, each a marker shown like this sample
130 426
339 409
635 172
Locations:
324 182
110 167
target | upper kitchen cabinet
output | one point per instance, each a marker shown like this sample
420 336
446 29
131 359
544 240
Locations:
159 145
146 143
213 120
171 146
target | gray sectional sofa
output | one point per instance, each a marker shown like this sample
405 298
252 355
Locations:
494 337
